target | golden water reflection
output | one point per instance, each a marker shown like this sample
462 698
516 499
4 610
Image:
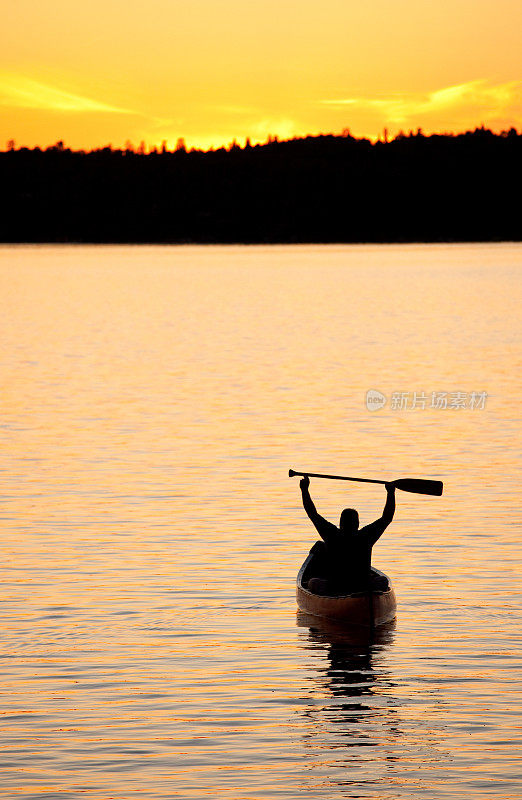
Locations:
151 402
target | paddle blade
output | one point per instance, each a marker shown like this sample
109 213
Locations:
419 486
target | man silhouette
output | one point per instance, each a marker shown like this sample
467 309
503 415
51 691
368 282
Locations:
347 550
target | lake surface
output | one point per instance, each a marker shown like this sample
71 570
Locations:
152 401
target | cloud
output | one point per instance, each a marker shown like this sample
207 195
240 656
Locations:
17 91
479 98
254 127
282 127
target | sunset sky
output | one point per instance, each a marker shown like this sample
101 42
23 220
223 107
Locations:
107 72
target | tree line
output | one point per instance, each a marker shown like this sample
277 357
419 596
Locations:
327 188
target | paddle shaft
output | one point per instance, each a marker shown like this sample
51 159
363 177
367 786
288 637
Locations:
415 485
291 473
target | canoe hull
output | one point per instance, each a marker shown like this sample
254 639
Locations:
354 609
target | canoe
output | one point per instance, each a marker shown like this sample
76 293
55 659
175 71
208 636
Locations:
354 608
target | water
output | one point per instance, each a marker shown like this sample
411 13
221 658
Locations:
153 399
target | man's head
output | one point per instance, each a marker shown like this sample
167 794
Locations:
349 522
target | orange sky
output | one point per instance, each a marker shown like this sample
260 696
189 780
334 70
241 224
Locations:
209 71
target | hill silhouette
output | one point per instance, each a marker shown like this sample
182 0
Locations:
324 188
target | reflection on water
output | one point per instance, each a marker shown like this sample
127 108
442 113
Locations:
354 716
357 734
152 400
349 674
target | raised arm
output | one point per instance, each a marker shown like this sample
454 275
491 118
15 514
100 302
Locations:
377 528
324 528
389 507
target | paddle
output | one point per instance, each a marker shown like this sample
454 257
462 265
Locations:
416 485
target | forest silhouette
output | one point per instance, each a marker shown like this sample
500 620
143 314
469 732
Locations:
415 188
